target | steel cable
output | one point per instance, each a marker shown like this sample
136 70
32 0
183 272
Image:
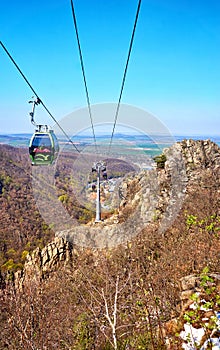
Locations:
83 72
35 93
125 73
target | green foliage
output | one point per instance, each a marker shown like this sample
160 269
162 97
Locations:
210 223
156 214
11 266
84 333
7 180
160 161
207 282
192 316
63 198
207 300
85 216
11 253
191 220
24 254
8 265
137 341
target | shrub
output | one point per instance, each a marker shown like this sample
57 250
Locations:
160 161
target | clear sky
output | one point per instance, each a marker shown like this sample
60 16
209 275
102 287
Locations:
174 71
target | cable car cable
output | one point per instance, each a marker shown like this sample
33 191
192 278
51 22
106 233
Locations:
83 72
35 93
125 72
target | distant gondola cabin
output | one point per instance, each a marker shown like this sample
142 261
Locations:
43 148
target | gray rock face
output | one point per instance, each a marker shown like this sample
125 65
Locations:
153 195
43 261
188 282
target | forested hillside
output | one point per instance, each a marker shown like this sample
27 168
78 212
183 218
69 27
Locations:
22 228
136 295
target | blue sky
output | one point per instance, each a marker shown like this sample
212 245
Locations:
174 71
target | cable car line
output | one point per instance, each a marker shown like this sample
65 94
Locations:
44 147
84 79
98 166
37 96
24 77
83 72
125 73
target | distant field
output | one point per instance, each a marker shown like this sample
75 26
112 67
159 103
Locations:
124 145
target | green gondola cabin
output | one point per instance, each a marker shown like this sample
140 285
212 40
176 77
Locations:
43 148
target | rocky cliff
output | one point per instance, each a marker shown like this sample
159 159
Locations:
154 195
43 262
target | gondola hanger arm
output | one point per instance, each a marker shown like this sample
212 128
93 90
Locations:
35 102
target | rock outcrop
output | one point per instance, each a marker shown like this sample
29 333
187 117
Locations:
43 262
192 284
202 160
201 154
188 163
154 195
